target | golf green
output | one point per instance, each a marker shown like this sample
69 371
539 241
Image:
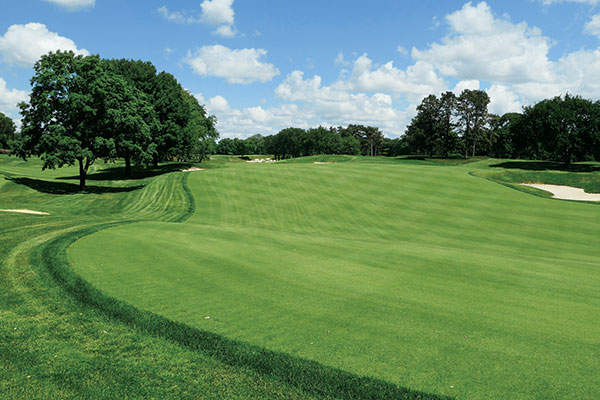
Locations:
421 275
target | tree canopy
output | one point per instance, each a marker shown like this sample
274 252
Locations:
85 108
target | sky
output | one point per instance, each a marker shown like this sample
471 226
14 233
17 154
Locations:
263 65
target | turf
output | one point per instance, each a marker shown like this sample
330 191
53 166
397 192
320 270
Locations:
415 272
52 345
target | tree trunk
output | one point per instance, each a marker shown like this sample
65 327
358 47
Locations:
474 142
155 160
127 165
568 159
82 174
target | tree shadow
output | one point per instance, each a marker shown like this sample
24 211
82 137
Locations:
68 188
547 166
118 173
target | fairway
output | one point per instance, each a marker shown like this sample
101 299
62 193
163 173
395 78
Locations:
417 273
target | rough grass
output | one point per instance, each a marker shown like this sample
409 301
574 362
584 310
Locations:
411 271
62 338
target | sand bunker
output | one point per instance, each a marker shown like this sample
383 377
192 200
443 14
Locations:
566 192
193 169
260 160
24 211
321 162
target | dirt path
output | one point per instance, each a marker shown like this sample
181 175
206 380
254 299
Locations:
566 192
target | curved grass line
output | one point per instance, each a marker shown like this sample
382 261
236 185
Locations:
190 197
310 376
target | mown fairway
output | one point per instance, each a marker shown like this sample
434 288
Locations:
419 274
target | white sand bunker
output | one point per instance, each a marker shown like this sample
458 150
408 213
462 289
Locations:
321 162
24 211
193 169
566 192
260 160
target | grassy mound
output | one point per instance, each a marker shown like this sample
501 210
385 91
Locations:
414 272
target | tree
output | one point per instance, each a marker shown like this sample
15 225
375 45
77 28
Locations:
197 139
132 121
444 129
562 128
68 116
472 113
423 132
370 138
173 114
7 131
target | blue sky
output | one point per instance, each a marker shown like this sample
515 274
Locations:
263 65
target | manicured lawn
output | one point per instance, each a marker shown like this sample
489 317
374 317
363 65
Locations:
414 272
55 347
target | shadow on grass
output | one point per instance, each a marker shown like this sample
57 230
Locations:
68 188
118 173
547 166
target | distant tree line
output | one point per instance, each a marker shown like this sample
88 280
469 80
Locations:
82 109
564 129
298 142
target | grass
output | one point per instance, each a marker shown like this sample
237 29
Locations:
413 272
62 338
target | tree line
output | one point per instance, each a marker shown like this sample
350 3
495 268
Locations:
564 128
298 142
85 108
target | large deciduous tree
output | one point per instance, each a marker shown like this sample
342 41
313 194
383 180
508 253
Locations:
67 118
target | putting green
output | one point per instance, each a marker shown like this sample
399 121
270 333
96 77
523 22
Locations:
421 275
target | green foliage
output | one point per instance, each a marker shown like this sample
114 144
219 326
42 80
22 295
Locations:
69 114
7 131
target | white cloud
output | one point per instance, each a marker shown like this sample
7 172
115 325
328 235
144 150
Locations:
25 44
336 105
236 66
73 5
462 85
340 61
217 13
176 16
9 98
502 100
417 81
593 26
481 46
225 31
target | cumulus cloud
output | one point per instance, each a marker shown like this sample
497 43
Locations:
236 66
481 46
415 82
593 26
24 44
9 98
503 100
73 5
216 13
